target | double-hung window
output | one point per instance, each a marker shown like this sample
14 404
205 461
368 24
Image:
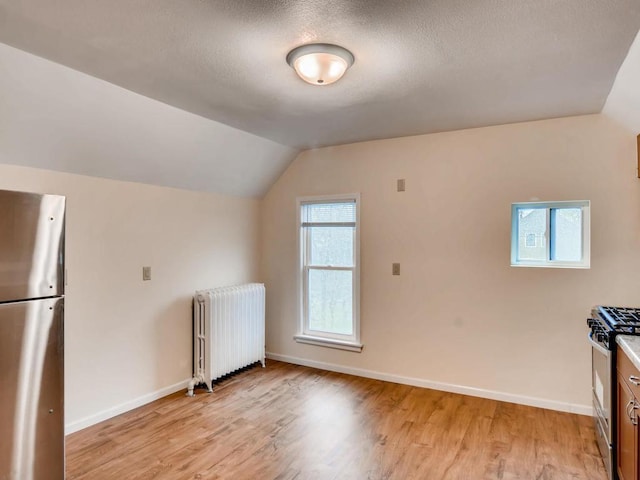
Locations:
550 234
329 271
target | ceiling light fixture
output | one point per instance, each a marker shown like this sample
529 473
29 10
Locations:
320 63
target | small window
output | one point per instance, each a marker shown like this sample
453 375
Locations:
329 272
550 234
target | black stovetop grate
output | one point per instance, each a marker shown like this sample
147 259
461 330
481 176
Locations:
622 318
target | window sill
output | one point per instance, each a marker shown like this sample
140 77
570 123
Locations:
577 266
329 342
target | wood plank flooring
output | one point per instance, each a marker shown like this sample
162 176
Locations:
289 422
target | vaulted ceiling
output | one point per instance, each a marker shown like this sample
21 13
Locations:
421 66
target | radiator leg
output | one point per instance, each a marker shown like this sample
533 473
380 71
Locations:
196 380
190 387
263 363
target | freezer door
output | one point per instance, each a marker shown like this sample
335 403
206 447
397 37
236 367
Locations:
31 245
32 390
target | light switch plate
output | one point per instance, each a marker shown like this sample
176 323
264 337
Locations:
401 185
146 273
395 269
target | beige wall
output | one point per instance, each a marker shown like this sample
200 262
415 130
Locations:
459 317
129 341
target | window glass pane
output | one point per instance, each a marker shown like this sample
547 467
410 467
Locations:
331 246
532 234
530 240
329 212
566 238
331 301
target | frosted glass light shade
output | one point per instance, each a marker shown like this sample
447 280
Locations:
320 63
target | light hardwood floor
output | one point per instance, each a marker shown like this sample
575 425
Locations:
291 422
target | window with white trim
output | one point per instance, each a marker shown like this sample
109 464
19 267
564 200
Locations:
550 234
329 274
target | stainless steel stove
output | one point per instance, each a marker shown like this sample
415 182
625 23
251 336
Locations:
605 324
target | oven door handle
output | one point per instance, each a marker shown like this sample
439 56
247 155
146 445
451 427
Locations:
597 346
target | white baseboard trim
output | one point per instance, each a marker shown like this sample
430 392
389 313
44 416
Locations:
332 367
123 407
445 387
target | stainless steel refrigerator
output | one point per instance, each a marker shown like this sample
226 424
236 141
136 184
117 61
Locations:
31 336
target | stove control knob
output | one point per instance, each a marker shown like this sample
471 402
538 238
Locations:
589 322
600 337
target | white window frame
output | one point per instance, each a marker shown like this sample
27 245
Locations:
584 262
305 334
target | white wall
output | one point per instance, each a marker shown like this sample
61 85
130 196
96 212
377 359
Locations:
59 119
623 103
129 341
459 317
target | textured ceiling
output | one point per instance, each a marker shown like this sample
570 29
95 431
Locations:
421 66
